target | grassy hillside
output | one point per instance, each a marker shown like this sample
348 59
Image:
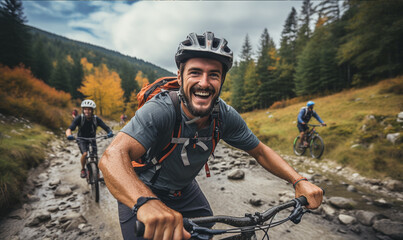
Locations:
358 117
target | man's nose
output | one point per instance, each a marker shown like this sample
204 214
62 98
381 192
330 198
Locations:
204 81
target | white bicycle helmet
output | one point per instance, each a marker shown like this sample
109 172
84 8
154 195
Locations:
88 103
207 46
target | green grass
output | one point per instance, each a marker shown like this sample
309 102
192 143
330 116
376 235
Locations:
21 148
345 114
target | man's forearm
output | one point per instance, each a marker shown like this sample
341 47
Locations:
272 162
119 176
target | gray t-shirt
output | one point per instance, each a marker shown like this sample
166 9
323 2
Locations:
152 127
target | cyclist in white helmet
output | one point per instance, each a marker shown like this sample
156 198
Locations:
161 200
87 124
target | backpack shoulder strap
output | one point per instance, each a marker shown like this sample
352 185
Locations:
94 119
82 120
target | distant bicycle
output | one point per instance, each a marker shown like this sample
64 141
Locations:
315 143
91 167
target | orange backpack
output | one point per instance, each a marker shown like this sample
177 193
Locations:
146 93
152 89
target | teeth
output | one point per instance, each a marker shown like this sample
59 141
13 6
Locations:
204 94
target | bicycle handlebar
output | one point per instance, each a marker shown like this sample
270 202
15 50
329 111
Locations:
90 139
315 125
192 224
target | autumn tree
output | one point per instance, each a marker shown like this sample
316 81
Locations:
104 87
140 79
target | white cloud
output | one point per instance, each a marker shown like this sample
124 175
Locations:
152 30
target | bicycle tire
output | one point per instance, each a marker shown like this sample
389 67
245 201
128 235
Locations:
317 147
94 181
299 150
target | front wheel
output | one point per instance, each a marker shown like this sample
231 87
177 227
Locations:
94 181
299 148
317 147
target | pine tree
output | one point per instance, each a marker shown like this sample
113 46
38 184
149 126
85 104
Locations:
373 44
14 37
304 31
239 75
328 11
41 65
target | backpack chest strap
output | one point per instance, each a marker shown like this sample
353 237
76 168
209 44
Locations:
190 141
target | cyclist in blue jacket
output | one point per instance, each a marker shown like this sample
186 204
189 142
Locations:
304 116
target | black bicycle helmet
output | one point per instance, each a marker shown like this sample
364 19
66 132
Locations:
205 46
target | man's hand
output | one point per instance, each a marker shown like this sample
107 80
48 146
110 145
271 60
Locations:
161 222
110 134
303 123
70 137
313 193
323 124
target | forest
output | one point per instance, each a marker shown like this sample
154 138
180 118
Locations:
325 47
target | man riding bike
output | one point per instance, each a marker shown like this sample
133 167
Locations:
305 114
87 124
161 201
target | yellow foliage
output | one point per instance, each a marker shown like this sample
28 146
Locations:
131 106
142 81
21 94
70 59
103 86
87 66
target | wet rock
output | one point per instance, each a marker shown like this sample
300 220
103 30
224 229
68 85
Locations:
393 137
382 203
42 177
71 216
390 228
32 198
252 162
256 202
328 210
38 219
74 223
347 219
63 191
394 185
53 209
236 175
367 218
351 188
400 117
17 214
54 182
342 203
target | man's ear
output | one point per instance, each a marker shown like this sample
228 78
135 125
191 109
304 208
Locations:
179 78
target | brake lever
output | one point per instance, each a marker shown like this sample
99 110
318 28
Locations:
297 213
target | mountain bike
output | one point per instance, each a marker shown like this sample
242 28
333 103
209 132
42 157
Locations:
91 167
315 143
244 227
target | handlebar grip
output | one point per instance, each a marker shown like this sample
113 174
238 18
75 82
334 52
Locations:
139 229
304 201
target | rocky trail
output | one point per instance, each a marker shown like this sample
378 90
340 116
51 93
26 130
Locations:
57 203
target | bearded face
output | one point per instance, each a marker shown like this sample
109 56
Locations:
201 83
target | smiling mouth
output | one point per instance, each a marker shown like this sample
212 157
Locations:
202 94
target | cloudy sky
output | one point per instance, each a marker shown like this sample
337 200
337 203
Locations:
152 30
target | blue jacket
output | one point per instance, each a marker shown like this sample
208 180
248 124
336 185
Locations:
305 115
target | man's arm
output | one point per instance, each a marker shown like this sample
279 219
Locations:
315 115
161 222
300 114
272 162
103 125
